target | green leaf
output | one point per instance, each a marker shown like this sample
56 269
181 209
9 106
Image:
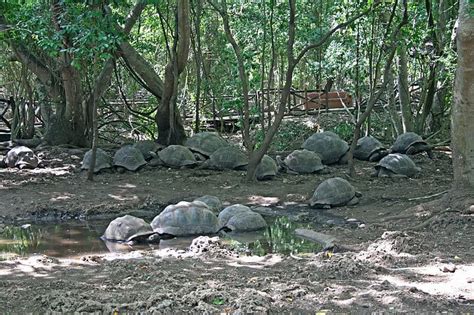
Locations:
218 301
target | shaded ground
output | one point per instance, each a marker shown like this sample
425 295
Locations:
408 268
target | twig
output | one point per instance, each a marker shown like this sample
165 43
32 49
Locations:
428 196
296 257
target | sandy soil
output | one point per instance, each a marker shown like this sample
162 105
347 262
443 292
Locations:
413 252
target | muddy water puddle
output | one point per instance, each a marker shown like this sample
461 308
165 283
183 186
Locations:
75 239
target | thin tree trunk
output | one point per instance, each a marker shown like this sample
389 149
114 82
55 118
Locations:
95 137
463 109
197 51
391 106
248 142
403 90
386 75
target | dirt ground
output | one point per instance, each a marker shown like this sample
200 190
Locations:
413 252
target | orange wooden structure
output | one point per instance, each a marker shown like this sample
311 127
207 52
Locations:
322 100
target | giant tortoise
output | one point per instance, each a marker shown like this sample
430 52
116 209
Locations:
329 146
129 158
227 157
396 165
185 218
129 229
102 160
177 156
266 169
334 192
410 143
240 218
301 162
369 149
206 143
21 157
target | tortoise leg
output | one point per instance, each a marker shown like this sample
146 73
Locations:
377 156
411 151
353 201
430 153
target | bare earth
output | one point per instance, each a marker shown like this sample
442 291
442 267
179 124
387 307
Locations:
403 258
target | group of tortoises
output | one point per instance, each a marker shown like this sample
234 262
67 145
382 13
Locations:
211 151
393 162
205 149
203 216
327 148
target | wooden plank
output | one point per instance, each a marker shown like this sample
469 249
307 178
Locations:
335 99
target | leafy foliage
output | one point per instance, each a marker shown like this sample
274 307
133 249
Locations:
290 136
261 30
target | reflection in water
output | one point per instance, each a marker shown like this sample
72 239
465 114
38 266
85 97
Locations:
82 238
278 237
58 240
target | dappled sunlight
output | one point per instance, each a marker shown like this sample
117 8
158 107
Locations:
62 170
263 201
61 196
123 198
57 171
432 280
255 262
38 266
127 186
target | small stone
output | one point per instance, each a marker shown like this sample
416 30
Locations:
352 220
362 225
449 268
471 209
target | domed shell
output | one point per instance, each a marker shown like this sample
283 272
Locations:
266 169
127 228
177 156
185 218
129 157
240 218
334 191
367 147
228 157
304 162
147 147
405 141
212 202
328 145
206 143
397 163
102 160
22 157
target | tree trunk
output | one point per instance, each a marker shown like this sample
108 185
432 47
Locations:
197 51
168 119
463 109
392 107
142 69
403 90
